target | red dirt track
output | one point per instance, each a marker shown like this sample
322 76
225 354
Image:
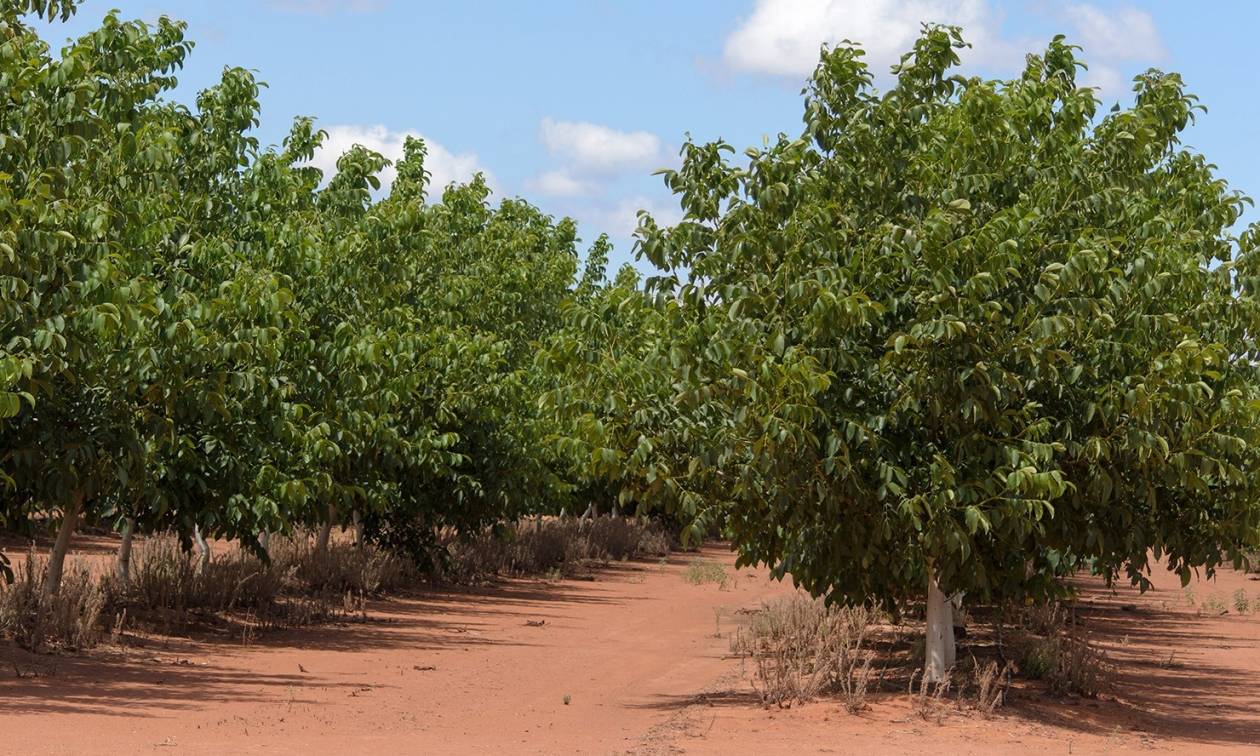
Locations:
635 652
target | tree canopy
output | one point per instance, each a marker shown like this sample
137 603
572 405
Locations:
963 329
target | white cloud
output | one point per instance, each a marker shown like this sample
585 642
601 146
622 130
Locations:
1104 78
783 37
443 165
594 149
559 183
1120 34
622 218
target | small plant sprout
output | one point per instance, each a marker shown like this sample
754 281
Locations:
1215 605
1241 604
700 572
567 699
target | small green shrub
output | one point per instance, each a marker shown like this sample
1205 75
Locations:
1214 604
1241 604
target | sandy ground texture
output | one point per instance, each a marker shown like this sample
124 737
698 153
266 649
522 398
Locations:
627 663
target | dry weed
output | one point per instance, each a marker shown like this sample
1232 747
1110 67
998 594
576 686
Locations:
68 619
1061 653
800 648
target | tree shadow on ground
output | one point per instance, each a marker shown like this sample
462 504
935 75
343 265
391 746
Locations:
1153 691
129 683
156 673
1170 681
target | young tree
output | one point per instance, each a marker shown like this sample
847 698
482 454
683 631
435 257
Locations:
151 327
960 337
79 163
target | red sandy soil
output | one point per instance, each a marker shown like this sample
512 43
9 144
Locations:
635 653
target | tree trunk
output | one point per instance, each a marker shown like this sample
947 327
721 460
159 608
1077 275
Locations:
940 651
325 530
203 549
57 559
357 524
124 550
264 539
591 511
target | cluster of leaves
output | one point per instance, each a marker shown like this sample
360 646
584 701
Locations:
200 334
965 329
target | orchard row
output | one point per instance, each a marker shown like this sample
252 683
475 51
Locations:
962 336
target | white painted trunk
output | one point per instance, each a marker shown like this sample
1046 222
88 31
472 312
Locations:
264 540
357 524
124 550
940 650
325 531
590 512
203 549
57 559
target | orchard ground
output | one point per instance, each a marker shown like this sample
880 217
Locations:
635 661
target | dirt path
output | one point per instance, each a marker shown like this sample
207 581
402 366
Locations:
451 672
635 653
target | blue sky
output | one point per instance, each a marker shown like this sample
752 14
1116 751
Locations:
573 103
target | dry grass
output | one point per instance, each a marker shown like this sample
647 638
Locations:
67 620
300 585
991 685
928 703
164 576
553 547
342 568
1054 649
800 648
